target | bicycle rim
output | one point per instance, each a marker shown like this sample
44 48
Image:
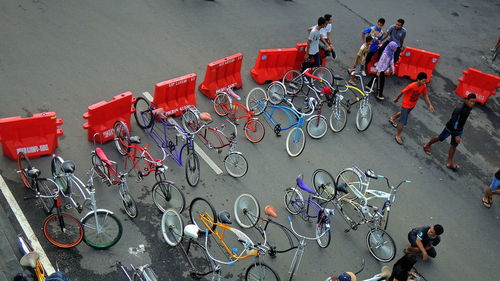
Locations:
324 184
63 230
254 130
143 113
338 118
364 116
246 210
129 205
295 142
122 137
168 196
325 74
260 272
293 81
190 121
316 127
47 189
324 236
294 203
222 104
202 208
23 166
104 234
276 92
171 227
381 245
193 169
256 100
236 165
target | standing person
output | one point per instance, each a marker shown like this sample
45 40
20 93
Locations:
377 34
359 61
401 269
494 188
411 94
325 41
423 240
454 128
396 33
312 56
385 62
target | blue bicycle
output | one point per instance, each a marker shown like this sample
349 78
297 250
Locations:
148 116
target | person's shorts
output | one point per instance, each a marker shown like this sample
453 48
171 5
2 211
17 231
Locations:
446 133
360 68
412 238
403 119
324 47
495 183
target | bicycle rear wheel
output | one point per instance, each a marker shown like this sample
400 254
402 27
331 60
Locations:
222 104
293 81
259 272
324 184
103 234
192 169
57 173
190 121
254 130
316 127
201 207
202 264
168 196
122 137
47 189
338 118
348 178
100 168
324 235
23 166
276 92
256 100
172 227
246 210
63 230
381 245
143 113
364 116
236 165
325 74
295 142
294 202
129 204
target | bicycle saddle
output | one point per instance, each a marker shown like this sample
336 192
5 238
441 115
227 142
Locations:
224 217
270 211
342 187
303 185
68 167
33 173
191 231
205 116
135 139
337 77
369 173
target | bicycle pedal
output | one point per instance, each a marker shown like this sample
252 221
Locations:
68 206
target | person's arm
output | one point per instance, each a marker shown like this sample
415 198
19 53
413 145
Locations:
402 40
428 101
307 49
425 256
395 100
387 33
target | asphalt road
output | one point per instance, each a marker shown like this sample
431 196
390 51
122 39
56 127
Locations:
65 55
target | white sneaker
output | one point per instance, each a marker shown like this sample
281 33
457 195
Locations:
363 73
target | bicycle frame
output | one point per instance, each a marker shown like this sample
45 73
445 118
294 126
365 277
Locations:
232 108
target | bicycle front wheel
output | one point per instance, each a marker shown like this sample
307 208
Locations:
293 81
202 214
129 205
168 196
324 184
143 113
381 245
364 116
23 166
325 74
122 137
63 230
171 227
236 165
190 121
316 127
324 235
58 174
222 104
349 179
103 230
276 92
192 169
259 272
338 118
246 210
256 100
254 130
295 142
294 202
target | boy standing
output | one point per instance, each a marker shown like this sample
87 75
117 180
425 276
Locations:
312 56
359 61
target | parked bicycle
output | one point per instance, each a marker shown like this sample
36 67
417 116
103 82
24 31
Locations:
197 122
141 273
152 119
294 80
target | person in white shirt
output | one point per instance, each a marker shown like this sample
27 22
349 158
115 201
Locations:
312 56
325 42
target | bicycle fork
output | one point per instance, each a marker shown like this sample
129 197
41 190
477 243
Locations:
297 257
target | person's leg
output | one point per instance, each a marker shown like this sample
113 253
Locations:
394 117
369 57
442 136
432 252
451 152
402 121
488 193
381 82
396 54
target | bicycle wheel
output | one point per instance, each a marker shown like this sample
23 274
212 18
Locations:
202 264
190 121
256 100
259 272
58 174
236 165
324 184
316 127
168 196
295 142
103 230
129 204
23 166
143 113
172 227
47 189
364 116
222 104
63 230
192 169
349 179
100 168
323 234
201 207
381 245
338 118
384 221
293 81
294 202
325 74
122 137
254 130
246 210
276 92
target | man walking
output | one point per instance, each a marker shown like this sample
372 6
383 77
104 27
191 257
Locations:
454 128
396 33
423 240
312 56
411 94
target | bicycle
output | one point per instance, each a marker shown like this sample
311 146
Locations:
214 138
30 258
224 106
30 176
141 273
294 80
147 116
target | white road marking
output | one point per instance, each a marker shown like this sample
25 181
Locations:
198 150
28 231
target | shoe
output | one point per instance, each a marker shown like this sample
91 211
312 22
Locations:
368 88
306 81
380 97
363 73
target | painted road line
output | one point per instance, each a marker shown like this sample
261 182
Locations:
28 231
197 148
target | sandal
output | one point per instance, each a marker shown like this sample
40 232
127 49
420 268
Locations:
453 167
487 202
393 123
399 141
427 150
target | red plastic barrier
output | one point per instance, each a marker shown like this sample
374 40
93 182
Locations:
35 136
222 74
413 61
271 64
103 115
176 94
477 82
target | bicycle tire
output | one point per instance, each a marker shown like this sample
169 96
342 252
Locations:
246 210
378 238
364 116
47 192
57 173
324 184
324 239
107 221
256 100
236 164
222 104
203 265
254 130
100 168
23 166
384 221
293 81
348 177
295 142
122 137
143 113
190 121
129 205
172 227
276 92
338 118
63 230
294 202
192 169
261 271
325 74
316 127
168 196
201 206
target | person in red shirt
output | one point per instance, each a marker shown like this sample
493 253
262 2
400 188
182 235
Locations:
410 94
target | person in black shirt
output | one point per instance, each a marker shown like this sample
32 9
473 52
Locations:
454 127
401 269
423 239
